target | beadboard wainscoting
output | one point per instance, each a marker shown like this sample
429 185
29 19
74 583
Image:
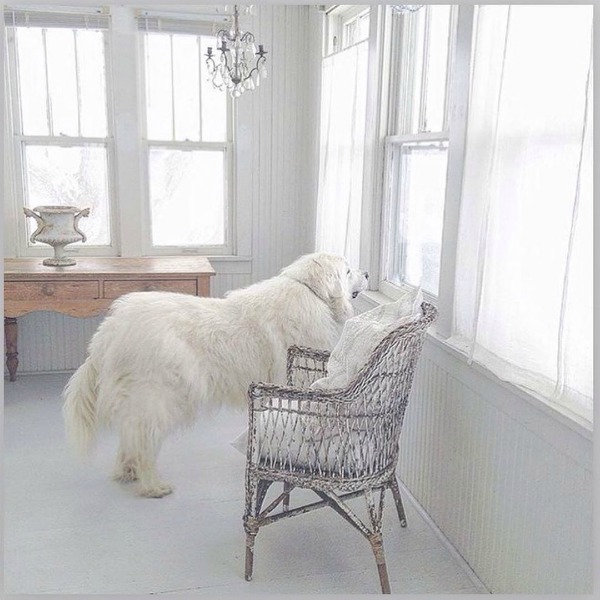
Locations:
507 482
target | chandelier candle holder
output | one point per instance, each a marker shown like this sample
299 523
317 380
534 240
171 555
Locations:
240 65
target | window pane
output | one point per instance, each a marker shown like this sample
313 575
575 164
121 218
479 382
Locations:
70 74
415 58
416 236
75 176
159 91
214 103
62 81
92 82
32 80
186 83
363 27
437 67
187 197
423 52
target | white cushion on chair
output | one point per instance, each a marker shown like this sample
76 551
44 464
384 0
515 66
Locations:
362 334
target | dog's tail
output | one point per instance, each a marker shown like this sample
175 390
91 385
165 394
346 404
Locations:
80 408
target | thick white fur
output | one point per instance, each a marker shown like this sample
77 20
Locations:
158 357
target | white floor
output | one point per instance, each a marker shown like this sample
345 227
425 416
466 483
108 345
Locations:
69 529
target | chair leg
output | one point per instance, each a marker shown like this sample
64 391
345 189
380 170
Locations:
377 546
250 539
376 539
398 500
287 487
254 495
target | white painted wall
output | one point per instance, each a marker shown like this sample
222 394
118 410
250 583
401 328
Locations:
509 484
276 145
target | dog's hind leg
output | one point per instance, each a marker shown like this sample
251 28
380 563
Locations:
126 466
136 461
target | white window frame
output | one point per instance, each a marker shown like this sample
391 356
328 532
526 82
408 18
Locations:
383 136
20 140
127 155
338 19
402 49
227 146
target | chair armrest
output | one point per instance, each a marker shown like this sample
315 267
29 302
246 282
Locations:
305 366
265 396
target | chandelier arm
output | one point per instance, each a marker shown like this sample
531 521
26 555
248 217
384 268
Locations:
223 34
259 61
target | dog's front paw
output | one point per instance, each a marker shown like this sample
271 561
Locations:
155 491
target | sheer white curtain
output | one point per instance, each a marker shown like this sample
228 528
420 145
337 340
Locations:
343 105
523 291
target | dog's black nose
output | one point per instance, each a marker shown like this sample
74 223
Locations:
366 275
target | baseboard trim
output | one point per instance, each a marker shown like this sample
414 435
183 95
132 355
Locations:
464 565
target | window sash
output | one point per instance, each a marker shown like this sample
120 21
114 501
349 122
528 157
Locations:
227 248
394 204
408 110
16 92
340 22
102 217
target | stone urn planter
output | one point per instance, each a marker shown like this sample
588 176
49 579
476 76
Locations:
57 227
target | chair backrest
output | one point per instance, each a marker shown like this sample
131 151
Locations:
379 393
387 376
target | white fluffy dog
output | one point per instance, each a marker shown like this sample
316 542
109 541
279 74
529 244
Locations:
159 357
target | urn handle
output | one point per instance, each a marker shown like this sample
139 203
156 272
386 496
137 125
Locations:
40 221
82 213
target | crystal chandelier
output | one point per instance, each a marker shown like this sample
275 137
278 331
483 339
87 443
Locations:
240 66
401 8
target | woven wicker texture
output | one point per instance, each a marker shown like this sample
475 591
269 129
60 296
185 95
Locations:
341 443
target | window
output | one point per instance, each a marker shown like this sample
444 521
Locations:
345 25
418 185
487 195
121 119
188 145
342 136
417 152
60 119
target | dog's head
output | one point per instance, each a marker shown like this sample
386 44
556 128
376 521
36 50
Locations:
330 277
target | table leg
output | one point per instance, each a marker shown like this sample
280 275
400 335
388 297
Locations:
10 339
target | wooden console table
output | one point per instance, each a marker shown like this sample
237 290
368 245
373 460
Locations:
89 287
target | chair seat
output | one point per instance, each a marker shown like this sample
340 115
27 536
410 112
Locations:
311 445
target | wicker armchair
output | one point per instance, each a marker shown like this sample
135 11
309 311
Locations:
340 443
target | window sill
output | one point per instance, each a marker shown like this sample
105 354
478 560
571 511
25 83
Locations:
559 414
231 264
